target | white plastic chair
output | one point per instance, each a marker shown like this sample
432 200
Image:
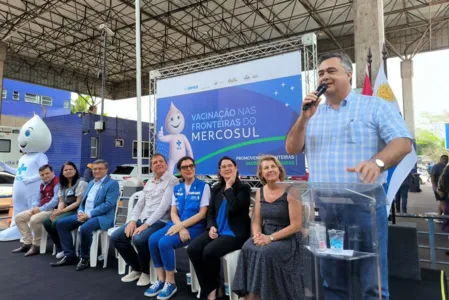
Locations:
195 285
230 262
102 237
307 217
44 239
121 261
43 245
153 274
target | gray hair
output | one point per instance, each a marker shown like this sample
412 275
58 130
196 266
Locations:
346 62
101 161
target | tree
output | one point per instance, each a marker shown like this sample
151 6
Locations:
428 144
431 118
81 104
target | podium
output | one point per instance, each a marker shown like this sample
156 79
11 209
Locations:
340 239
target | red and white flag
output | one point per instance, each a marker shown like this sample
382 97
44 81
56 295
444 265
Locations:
367 87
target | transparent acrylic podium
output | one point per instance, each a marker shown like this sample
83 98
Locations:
340 239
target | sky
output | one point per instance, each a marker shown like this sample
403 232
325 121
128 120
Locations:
430 81
429 88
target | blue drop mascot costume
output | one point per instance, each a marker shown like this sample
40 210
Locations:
34 140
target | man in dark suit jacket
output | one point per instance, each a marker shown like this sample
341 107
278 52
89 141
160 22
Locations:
96 211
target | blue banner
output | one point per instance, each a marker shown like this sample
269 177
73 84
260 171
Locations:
242 122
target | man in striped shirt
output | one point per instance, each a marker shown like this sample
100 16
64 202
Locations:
350 138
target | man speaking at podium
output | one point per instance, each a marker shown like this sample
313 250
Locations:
351 138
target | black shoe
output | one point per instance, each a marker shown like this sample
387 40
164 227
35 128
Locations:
84 263
65 261
23 248
34 250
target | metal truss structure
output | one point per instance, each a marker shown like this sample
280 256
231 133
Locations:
58 43
306 43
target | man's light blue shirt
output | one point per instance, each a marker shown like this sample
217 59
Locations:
89 205
337 139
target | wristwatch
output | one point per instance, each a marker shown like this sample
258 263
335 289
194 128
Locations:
380 164
271 238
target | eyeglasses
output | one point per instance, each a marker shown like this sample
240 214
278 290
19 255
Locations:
184 168
98 169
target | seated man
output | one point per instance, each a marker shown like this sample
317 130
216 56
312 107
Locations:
42 209
96 211
151 213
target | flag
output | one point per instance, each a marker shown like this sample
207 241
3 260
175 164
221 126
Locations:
398 174
383 90
367 89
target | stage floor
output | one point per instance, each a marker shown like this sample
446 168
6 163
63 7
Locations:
33 278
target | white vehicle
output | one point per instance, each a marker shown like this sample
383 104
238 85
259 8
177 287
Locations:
126 171
9 146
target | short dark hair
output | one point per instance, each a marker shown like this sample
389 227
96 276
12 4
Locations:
178 165
345 60
444 157
63 181
45 167
101 161
220 178
158 155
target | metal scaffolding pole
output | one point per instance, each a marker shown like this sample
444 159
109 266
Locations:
138 90
310 62
306 43
100 127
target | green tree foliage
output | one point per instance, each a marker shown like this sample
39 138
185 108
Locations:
428 144
81 104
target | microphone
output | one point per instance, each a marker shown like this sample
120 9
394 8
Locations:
320 90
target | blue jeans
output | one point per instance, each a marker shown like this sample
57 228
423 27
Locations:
139 261
162 247
402 193
337 274
64 227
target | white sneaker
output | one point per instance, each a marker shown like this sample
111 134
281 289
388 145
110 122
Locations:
60 255
131 276
144 280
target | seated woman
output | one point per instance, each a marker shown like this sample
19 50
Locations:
270 264
70 193
189 208
228 225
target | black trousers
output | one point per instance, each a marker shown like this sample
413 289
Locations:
50 227
140 261
205 255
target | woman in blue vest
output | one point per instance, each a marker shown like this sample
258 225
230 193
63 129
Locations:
189 208
228 226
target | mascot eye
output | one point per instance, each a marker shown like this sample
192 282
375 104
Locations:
27 133
179 117
171 119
